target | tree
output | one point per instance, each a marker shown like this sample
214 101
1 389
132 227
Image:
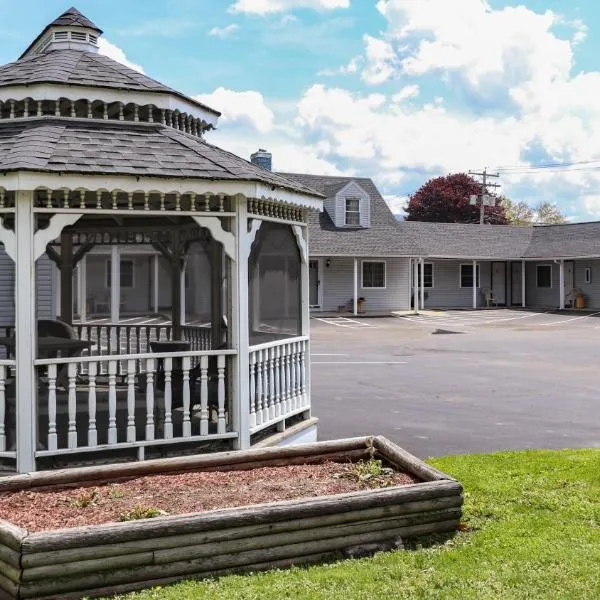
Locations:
518 213
546 213
446 200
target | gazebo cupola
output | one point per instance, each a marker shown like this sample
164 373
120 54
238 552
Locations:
70 31
155 286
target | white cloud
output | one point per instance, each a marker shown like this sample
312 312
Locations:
397 204
246 107
381 60
349 69
114 52
263 7
223 32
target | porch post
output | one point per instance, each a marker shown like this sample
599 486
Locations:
182 291
561 284
239 300
474 284
115 284
523 303
422 261
355 298
155 263
66 278
176 284
410 266
416 285
25 333
82 289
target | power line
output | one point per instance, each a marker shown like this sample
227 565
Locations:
484 199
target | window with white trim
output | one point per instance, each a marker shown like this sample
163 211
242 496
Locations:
373 274
543 276
352 211
127 273
588 275
428 275
466 276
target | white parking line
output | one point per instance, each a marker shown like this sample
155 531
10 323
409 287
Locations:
343 322
569 320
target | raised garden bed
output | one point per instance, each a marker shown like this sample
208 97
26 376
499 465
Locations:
113 557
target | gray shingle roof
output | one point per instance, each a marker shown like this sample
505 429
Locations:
73 17
460 240
565 241
381 239
124 148
73 67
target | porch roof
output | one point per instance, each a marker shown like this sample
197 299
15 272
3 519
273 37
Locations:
570 240
86 146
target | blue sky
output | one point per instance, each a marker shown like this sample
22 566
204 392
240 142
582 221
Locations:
398 90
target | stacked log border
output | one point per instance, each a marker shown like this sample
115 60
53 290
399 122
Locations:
119 557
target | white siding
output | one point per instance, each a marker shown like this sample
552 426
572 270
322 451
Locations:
590 290
7 289
338 285
44 269
541 297
336 206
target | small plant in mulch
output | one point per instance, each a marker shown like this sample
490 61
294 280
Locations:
141 512
369 474
114 493
86 499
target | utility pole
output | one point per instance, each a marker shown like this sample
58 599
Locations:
484 199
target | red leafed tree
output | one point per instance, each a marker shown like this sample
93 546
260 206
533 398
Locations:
446 200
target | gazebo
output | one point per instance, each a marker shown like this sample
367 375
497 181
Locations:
94 154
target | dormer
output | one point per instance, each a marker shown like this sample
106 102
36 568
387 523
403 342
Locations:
71 31
349 207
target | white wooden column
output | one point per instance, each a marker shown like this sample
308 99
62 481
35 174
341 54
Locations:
82 289
155 264
182 278
561 284
410 266
240 334
355 297
115 284
474 284
416 285
25 333
305 314
422 261
523 302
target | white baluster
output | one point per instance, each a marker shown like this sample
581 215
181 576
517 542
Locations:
277 407
149 399
204 415
187 425
293 398
207 202
285 380
168 399
2 408
72 374
131 401
271 408
259 386
52 436
221 426
162 201
177 201
252 389
26 107
112 402
146 200
288 378
92 432
303 393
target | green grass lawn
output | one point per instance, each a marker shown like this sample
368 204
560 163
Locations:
533 531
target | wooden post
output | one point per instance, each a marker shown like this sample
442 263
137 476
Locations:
26 333
240 334
176 284
561 284
182 277
523 302
155 262
416 286
82 291
115 285
474 284
216 300
66 278
422 303
409 287
355 298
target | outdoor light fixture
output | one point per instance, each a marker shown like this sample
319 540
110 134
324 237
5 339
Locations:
328 263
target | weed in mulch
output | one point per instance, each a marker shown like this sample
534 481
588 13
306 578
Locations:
88 498
369 474
142 512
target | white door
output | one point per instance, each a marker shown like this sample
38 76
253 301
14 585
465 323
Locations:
313 272
516 284
569 277
499 282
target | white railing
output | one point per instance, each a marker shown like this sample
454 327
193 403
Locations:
160 399
278 382
7 368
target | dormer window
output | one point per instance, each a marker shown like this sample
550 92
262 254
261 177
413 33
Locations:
353 211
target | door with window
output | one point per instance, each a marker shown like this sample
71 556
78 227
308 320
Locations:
314 283
499 282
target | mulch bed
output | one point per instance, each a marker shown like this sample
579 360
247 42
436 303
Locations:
173 494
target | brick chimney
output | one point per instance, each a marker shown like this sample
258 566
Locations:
262 158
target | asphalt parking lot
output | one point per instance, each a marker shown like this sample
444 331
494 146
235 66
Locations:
460 381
